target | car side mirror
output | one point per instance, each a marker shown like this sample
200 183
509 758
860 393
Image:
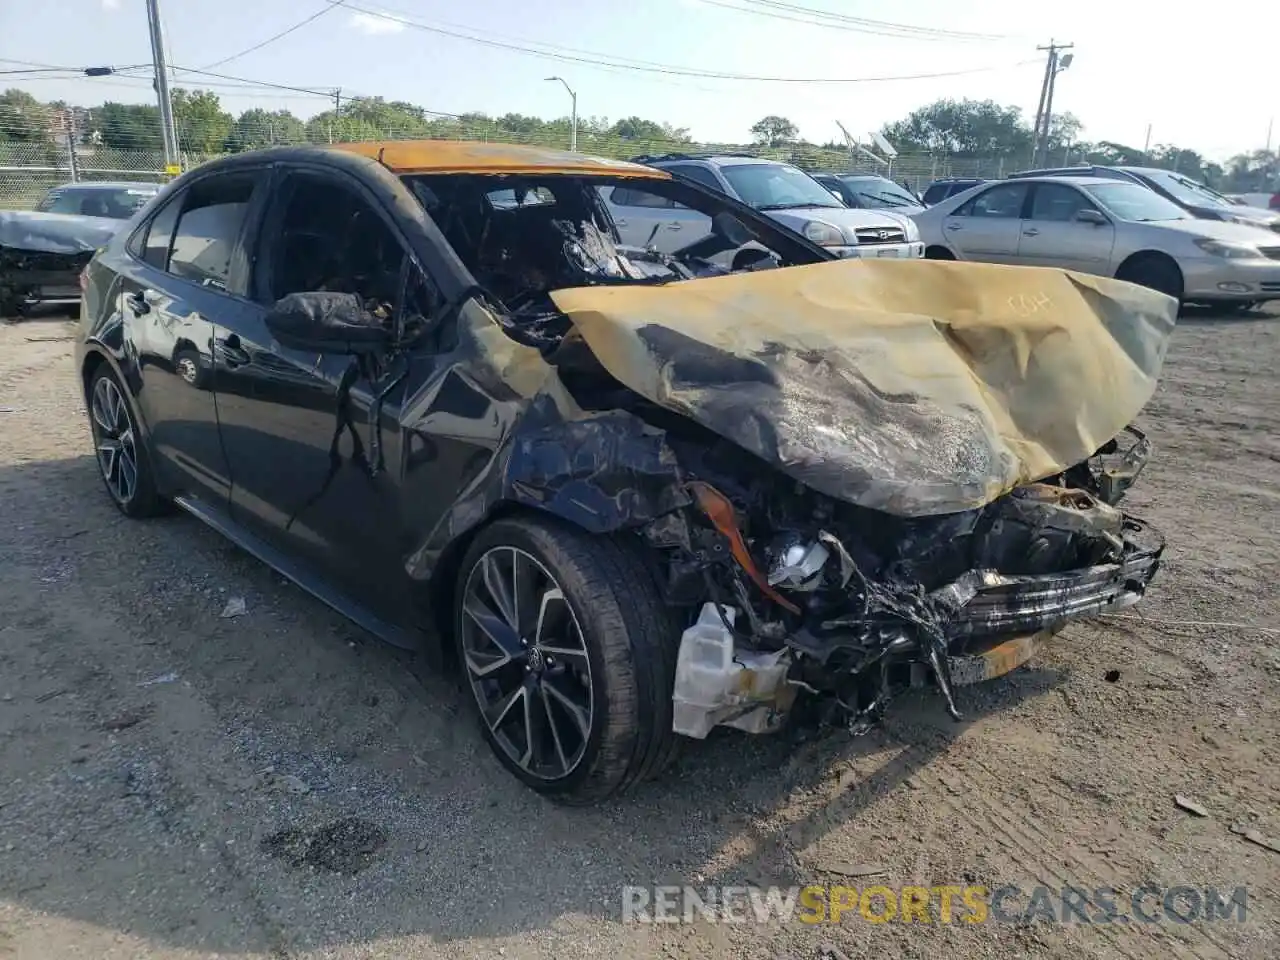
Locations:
324 322
1095 217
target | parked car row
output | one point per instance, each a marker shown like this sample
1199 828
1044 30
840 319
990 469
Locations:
786 194
1152 227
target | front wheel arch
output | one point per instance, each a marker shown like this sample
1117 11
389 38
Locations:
1148 267
632 635
938 252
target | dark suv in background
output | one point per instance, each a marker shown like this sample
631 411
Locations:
939 190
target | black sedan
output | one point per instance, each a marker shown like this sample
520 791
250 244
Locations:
627 494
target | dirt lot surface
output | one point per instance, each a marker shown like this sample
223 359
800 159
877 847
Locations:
177 784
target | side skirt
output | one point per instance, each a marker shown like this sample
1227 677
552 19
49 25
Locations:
315 585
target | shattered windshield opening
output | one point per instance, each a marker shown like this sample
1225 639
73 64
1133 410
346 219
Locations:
524 236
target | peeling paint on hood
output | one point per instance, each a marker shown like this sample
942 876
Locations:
914 388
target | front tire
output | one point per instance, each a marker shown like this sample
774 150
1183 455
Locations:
1153 271
568 652
122 458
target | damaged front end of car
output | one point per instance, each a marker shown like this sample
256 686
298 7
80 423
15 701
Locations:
875 487
799 594
42 256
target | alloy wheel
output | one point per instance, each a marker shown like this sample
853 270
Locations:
115 440
526 661
187 369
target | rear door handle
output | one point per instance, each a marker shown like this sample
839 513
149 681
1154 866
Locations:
1031 232
674 226
232 353
620 223
137 302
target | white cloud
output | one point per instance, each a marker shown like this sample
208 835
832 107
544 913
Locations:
373 24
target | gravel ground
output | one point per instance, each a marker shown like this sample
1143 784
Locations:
178 784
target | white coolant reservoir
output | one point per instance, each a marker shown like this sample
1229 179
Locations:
717 683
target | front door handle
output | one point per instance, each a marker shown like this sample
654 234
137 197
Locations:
1031 232
620 223
232 353
137 302
953 226
674 226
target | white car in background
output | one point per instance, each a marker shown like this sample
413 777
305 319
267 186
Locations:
1107 227
783 192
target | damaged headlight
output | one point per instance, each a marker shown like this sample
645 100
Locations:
798 565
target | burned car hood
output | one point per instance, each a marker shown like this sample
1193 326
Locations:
913 388
55 232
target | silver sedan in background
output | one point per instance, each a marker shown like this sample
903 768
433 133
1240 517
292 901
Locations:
1110 228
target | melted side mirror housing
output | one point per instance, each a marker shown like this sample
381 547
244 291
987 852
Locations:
324 322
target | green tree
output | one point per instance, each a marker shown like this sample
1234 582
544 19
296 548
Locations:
126 126
978 128
1255 172
774 131
262 128
23 117
202 125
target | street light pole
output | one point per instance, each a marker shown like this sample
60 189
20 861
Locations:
168 132
573 119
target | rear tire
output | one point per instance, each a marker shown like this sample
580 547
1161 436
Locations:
1153 271
124 463
585 638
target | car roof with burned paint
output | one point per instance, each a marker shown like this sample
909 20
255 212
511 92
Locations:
470 156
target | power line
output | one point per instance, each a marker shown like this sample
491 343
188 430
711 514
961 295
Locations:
325 92
277 36
823 18
670 69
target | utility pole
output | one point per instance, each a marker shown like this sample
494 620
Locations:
168 132
1270 124
1146 146
72 161
1054 65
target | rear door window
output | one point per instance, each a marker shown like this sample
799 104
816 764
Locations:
936 193
208 229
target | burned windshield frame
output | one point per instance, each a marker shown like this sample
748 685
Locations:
450 202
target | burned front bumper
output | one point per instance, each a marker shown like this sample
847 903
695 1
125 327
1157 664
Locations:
1006 605
992 623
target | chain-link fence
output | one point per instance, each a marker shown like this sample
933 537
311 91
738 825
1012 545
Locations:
29 169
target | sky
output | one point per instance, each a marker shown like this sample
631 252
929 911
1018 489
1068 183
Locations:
1136 62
